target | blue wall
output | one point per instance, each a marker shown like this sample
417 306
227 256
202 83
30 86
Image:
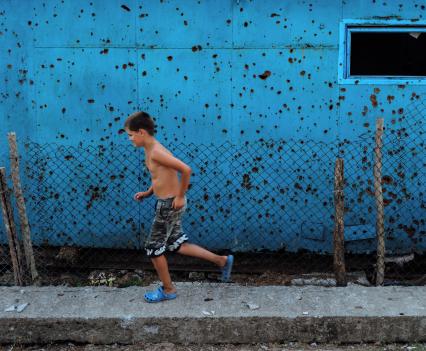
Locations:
246 92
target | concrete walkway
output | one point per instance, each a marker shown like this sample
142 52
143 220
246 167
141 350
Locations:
214 313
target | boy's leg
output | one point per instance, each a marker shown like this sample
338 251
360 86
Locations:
197 251
156 246
162 268
177 242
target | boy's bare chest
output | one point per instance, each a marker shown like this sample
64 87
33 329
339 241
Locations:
149 164
153 167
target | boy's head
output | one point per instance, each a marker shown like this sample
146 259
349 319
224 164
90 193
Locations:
140 120
139 126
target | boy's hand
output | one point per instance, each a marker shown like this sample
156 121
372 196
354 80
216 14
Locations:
141 195
178 202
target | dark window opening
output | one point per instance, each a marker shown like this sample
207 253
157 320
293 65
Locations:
388 54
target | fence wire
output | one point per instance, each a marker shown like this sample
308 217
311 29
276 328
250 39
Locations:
268 202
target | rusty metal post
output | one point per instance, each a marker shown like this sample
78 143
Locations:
14 250
380 227
338 234
20 203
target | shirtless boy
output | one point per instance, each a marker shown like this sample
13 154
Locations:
166 231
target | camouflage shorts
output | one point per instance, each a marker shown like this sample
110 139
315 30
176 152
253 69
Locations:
166 231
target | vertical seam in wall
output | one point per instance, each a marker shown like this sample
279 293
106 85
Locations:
135 46
138 106
233 130
234 136
339 108
33 88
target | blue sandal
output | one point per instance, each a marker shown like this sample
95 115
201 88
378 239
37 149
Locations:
159 295
226 271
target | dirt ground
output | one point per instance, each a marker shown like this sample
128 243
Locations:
225 347
125 278
73 266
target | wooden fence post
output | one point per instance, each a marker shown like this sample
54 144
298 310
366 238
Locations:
380 227
20 203
338 234
15 252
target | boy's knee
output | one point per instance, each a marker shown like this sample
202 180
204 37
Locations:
183 245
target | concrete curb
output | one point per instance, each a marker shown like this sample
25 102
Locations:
110 315
215 330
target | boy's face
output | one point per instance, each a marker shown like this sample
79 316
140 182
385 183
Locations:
137 138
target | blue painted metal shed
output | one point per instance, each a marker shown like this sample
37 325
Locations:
254 95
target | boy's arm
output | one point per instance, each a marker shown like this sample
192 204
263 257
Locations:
150 190
142 194
168 160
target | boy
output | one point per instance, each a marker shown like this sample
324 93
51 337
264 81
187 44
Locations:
166 231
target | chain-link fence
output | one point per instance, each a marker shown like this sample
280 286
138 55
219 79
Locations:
403 184
269 202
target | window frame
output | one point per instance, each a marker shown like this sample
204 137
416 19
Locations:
349 26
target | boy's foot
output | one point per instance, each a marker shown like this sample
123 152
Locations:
227 269
159 295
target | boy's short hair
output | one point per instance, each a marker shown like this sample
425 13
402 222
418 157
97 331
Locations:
140 120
